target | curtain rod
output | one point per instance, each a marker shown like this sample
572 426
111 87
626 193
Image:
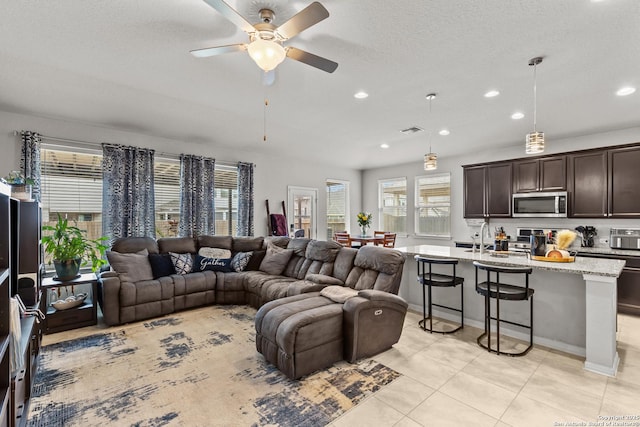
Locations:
76 141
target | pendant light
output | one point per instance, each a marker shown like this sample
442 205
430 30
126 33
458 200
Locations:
535 139
431 159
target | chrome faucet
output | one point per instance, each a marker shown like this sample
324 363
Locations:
484 225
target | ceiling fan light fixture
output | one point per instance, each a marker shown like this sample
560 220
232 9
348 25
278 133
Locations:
268 54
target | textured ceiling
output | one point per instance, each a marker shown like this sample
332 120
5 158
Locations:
126 64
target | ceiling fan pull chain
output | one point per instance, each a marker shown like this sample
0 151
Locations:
264 124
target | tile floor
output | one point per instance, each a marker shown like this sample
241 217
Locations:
448 380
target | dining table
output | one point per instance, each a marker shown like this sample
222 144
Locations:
365 240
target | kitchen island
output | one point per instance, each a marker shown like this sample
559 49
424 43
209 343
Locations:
574 303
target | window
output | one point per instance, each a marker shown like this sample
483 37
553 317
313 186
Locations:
226 187
392 205
337 207
167 188
71 186
433 205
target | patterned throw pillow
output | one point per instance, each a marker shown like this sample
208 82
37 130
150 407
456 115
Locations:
240 261
183 263
212 264
214 252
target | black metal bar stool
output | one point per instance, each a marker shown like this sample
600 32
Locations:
503 291
428 278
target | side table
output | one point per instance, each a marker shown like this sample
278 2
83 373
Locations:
85 314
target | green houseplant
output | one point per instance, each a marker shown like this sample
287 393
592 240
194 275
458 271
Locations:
70 248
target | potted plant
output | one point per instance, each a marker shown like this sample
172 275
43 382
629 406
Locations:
70 248
20 185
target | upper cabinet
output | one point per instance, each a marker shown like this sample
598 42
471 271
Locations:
624 180
487 191
588 184
546 174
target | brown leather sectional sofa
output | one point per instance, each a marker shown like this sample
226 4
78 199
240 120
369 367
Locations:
301 324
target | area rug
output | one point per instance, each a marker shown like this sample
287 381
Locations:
195 368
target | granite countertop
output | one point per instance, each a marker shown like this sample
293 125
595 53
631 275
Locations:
582 265
602 250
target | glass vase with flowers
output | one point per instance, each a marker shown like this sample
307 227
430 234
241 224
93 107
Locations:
364 221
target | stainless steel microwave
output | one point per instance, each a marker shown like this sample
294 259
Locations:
547 205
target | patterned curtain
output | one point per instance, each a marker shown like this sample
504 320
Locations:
245 199
197 196
128 203
30 160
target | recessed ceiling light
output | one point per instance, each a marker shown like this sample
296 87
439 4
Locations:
491 94
385 146
360 95
517 115
625 91
444 132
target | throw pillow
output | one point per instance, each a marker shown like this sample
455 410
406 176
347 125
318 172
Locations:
161 265
338 294
183 263
212 264
132 267
214 252
240 261
275 260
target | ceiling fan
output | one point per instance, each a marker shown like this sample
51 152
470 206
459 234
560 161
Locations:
266 40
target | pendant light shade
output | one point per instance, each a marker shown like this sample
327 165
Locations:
431 159
534 140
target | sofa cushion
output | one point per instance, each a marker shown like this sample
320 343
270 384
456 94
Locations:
178 245
183 263
208 252
247 244
275 260
212 264
379 259
240 261
325 251
222 242
161 265
338 294
134 244
281 241
256 260
132 267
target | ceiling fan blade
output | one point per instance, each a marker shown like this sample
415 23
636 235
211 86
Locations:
302 20
230 13
212 51
310 59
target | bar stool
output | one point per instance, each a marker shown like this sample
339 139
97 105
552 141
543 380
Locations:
429 279
503 291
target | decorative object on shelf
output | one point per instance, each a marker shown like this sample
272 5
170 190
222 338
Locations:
364 221
20 185
69 302
535 139
70 248
431 159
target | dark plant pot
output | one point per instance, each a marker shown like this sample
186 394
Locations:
67 269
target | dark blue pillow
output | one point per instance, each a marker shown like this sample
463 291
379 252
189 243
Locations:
212 264
161 265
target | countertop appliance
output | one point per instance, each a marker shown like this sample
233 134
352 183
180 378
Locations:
523 234
547 205
587 233
624 238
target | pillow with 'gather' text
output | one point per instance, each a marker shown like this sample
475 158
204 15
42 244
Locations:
212 264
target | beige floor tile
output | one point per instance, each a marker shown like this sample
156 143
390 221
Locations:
371 412
479 394
414 338
443 411
454 352
526 412
404 394
572 374
625 394
407 422
629 369
507 372
503 424
426 370
554 393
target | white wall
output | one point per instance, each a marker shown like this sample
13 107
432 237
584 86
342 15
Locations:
272 174
459 228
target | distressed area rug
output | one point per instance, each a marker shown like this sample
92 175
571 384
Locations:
195 368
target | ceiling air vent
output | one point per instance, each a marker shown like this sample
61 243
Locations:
412 129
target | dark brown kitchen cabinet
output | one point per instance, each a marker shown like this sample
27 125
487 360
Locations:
487 191
624 180
547 174
588 184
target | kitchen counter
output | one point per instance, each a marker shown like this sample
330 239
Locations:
604 250
575 304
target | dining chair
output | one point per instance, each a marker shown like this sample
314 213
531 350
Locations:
389 240
343 238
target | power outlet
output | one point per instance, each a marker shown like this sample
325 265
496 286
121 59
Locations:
605 241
